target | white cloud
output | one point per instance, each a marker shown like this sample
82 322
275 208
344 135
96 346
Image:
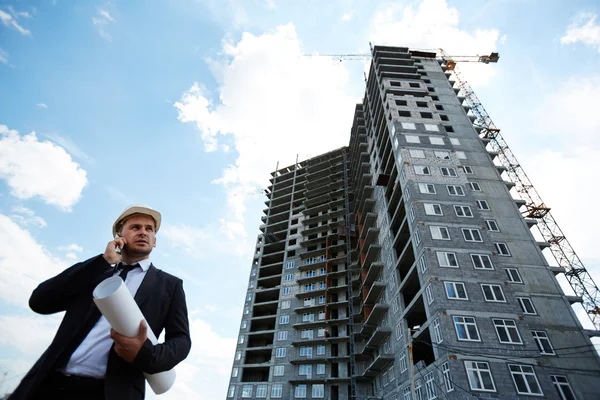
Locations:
25 217
269 95
203 242
71 247
9 20
583 29
347 16
18 14
104 18
3 57
42 105
433 25
30 334
33 168
24 263
69 145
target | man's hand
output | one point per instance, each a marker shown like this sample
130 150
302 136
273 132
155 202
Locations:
128 347
110 254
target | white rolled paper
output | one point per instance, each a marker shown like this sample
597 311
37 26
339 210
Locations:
115 302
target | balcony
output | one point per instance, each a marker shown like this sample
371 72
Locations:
372 273
378 364
372 254
377 338
373 293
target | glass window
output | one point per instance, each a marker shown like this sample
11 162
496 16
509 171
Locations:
433 209
320 350
542 341
408 125
238 355
447 379
456 290
287 290
427 188
466 328
463 211
412 139
276 391
429 294
492 292
284 319
455 190
507 331
491 225
300 392
524 379
481 261
448 171
475 186
278 370
480 376
436 140
280 352
439 232
502 249
437 331
235 372
446 259
442 155
403 363
416 153
483 205
430 386
422 170
526 305
244 324
246 391
563 388
513 275
472 235
320 369
318 391
432 128
231 391
261 391
285 304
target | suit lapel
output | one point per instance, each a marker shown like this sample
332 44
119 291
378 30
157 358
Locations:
148 286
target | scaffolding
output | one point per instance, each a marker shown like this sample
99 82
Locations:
578 277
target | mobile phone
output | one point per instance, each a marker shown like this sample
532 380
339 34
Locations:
117 248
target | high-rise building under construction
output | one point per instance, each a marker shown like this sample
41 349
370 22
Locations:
400 267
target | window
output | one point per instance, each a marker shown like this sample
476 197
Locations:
278 370
563 388
238 355
289 264
244 324
300 392
525 380
321 315
284 319
483 205
447 379
461 155
231 391
305 370
276 391
481 261
412 139
318 391
320 369
436 140
502 249
429 294
513 275
448 171
466 328
432 128
308 317
427 188
421 104
416 153
456 290
507 331
480 376
320 350
455 190
471 235
235 372
417 236
448 129
439 232
289 277
241 339
455 141
403 363
413 85
430 386
401 103
408 125
433 209
436 333
251 285
423 264
261 391
321 299
308 301
493 293
475 186
395 304
280 352
398 330
249 297
282 335
246 310
418 391
306 351
543 342
321 332
307 334
287 290
491 225
466 169
285 304
246 391
463 211
446 259
422 170
442 155
526 305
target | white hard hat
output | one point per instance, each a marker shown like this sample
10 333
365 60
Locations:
137 209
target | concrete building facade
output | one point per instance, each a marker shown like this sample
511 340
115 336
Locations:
407 236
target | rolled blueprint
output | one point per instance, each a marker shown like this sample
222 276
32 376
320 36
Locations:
122 313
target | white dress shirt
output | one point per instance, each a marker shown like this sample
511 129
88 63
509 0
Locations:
91 357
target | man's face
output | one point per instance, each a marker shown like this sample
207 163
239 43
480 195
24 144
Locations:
138 232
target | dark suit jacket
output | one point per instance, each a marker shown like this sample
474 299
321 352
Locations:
160 298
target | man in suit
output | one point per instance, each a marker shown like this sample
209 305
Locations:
87 359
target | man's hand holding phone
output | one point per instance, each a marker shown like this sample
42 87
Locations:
110 254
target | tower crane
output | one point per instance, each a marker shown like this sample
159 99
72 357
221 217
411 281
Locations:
575 272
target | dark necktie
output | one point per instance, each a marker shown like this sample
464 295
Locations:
125 268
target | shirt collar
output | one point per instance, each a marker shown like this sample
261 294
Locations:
144 264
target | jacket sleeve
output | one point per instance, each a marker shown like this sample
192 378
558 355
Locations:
54 295
164 356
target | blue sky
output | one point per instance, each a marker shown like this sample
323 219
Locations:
188 105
